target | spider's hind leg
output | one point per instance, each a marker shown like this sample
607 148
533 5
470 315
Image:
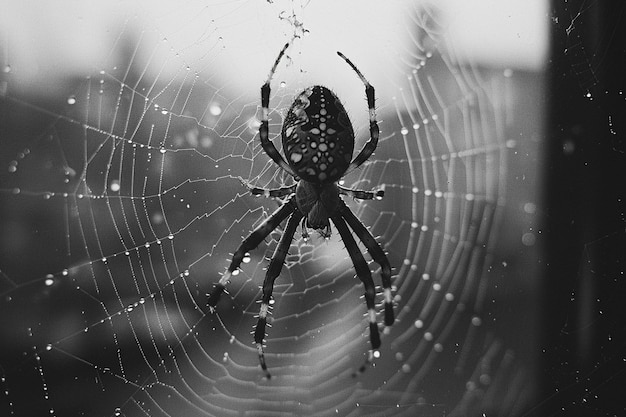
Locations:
372 143
266 143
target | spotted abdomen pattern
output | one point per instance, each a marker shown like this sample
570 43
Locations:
318 138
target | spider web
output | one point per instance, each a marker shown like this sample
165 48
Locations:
122 202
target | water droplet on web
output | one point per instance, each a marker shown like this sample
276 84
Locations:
6 69
530 208
215 109
71 100
404 131
115 186
246 258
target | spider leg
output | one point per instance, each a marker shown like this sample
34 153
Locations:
305 231
370 145
377 254
273 193
273 270
252 241
364 274
266 143
363 195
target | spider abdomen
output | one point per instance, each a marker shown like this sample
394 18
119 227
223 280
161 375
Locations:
318 139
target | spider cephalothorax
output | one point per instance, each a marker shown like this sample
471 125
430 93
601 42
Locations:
318 142
316 203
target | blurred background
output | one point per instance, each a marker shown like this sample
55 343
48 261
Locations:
127 125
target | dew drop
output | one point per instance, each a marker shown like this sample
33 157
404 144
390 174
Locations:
115 186
215 109
528 239
530 208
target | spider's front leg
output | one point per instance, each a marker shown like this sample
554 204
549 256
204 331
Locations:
364 274
252 241
273 270
377 254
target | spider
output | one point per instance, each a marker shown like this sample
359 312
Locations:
318 141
